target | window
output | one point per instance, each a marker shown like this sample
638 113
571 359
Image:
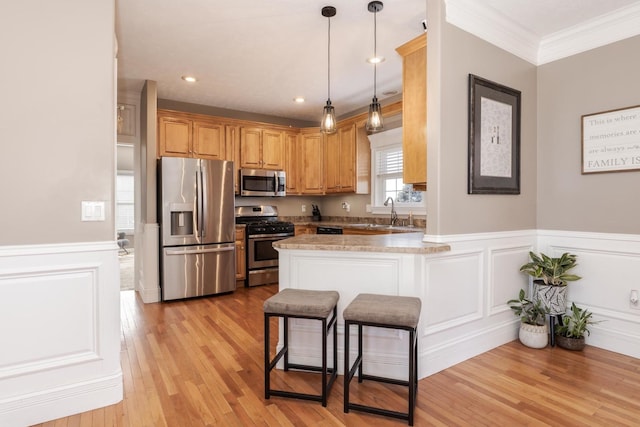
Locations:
124 201
386 158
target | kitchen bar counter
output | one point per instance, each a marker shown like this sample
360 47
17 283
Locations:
385 264
407 243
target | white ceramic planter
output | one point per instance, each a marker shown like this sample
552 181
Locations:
533 336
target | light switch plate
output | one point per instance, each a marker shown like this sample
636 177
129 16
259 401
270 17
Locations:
93 210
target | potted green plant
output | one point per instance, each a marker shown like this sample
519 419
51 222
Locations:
533 329
550 277
575 326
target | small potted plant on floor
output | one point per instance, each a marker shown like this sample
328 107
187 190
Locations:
550 277
533 329
575 326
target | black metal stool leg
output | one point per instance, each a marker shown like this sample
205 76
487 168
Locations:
267 358
347 378
412 375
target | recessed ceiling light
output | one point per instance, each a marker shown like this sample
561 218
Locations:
298 99
375 59
189 79
390 92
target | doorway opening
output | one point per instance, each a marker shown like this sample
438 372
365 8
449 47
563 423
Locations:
125 220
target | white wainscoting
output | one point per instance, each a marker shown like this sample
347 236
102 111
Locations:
464 293
610 268
60 330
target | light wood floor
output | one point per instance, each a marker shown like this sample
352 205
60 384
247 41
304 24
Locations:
199 363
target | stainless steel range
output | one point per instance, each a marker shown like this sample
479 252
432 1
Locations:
263 228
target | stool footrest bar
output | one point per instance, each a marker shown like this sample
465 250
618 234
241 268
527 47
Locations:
378 411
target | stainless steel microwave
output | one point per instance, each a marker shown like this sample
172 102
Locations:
262 182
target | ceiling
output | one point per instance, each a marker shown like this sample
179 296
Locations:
256 55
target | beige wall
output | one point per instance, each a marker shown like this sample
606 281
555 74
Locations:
602 79
57 120
452 55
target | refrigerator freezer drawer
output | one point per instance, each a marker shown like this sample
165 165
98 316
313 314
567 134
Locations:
192 271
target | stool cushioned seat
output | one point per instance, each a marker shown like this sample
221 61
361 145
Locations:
372 308
300 302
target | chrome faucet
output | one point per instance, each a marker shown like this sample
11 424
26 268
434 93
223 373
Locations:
394 215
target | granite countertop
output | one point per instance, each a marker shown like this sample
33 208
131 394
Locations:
410 243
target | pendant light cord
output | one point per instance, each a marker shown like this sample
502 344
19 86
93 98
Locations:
329 60
375 51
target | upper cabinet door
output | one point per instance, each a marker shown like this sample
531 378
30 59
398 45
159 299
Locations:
273 149
332 163
291 161
209 141
174 135
251 148
311 179
339 161
414 111
347 158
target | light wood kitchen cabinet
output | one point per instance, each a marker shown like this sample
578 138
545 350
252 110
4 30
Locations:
209 140
190 135
340 160
262 148
311 164
291 161
175 136
241 254
305 229
414 111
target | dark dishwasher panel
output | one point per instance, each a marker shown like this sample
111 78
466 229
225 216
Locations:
329 230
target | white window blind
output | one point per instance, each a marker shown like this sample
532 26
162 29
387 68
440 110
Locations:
389 161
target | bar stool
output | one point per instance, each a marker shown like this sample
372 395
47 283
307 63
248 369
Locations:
382 311
301 304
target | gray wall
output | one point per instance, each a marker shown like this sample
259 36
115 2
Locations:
58 121
602 79
452 54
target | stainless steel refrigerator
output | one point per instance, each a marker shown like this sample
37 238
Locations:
197 227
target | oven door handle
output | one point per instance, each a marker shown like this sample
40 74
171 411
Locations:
199 251
263 236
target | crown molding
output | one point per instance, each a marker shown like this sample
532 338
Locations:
609 28
492 26
495 28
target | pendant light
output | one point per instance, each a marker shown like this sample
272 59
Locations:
328 124
374 119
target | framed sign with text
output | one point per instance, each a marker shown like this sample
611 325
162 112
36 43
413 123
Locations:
611 141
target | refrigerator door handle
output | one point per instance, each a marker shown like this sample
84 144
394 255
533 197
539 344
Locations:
199 203
204 192
198 251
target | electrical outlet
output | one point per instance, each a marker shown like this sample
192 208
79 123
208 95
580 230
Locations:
304 208
633 300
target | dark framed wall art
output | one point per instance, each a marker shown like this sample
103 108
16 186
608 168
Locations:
494 138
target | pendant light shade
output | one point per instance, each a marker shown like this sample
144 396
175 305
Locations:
328 124
374 119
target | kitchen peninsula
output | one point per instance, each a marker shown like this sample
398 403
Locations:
388 264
